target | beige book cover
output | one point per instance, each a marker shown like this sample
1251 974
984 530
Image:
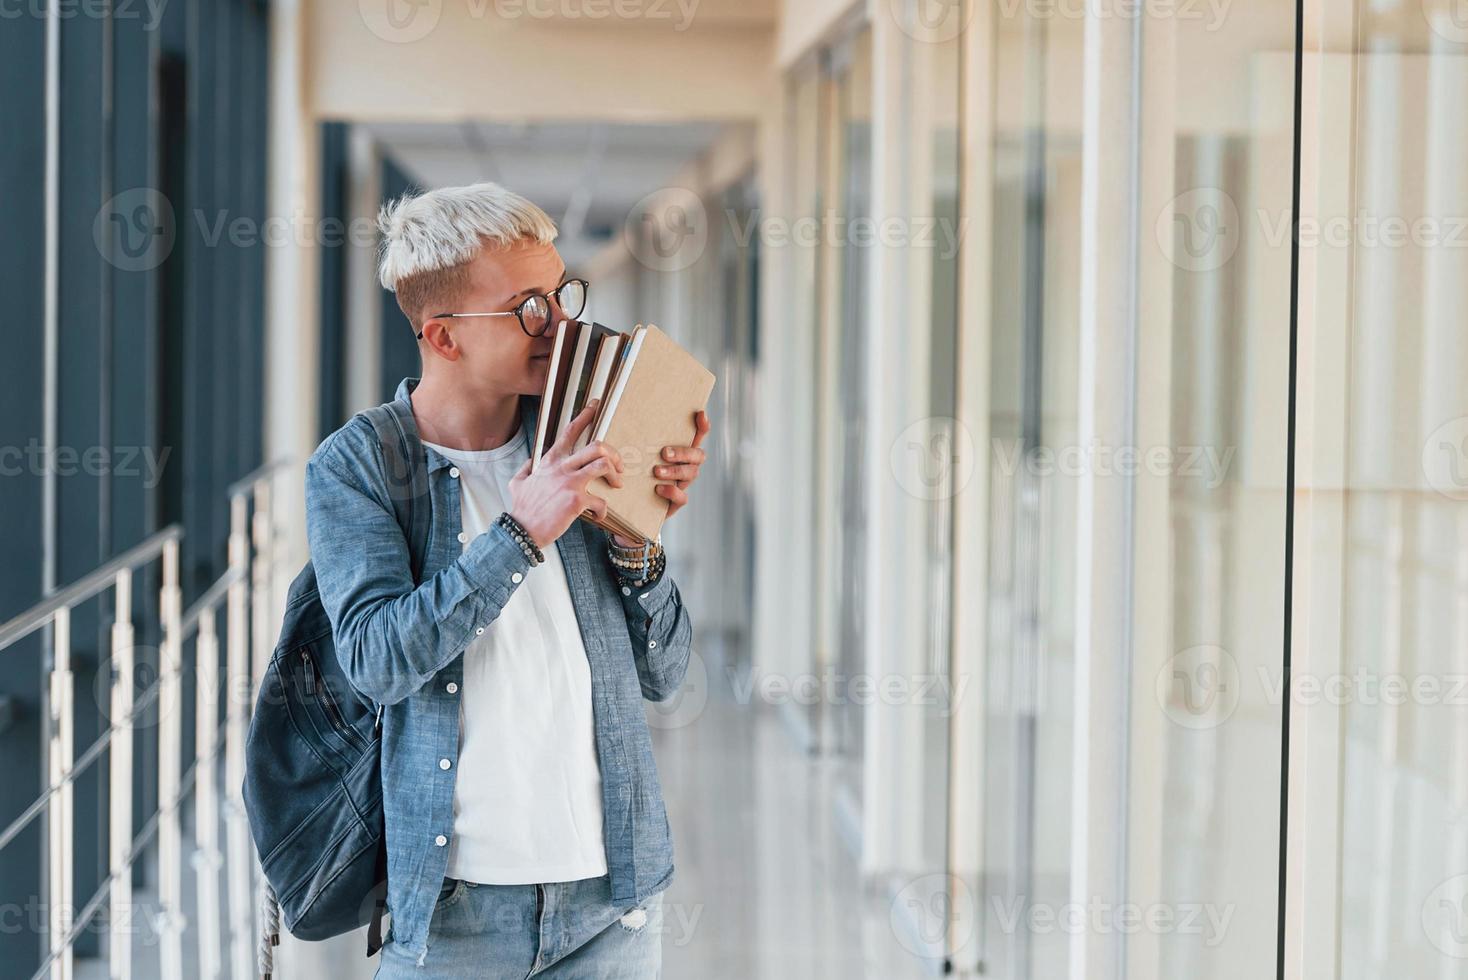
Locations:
659 392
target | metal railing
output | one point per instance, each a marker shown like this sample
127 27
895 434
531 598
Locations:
246 590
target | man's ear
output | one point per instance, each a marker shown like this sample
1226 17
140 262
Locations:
440 340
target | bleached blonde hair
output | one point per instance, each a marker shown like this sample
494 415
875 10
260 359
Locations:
428 240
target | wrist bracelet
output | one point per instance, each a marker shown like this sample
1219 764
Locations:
527 544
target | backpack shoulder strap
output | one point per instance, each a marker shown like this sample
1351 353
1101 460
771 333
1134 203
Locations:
406 476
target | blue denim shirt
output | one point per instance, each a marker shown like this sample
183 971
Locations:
403 648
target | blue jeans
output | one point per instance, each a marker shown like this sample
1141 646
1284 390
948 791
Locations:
565 930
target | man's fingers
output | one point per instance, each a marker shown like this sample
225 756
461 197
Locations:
681 472
673 492
701 427
683 454
593 505
595 450
562 446
600 466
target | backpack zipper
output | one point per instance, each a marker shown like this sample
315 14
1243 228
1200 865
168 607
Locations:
323 698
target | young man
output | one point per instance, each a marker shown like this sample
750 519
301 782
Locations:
526 833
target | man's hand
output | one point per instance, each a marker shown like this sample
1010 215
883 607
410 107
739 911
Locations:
676 471
547 501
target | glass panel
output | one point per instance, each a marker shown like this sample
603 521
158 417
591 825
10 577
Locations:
1404 608
1204 801
1032 412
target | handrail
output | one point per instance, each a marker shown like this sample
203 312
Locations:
38 806
212 597
243 484
89 585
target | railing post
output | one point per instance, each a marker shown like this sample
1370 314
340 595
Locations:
170 723
120 783
261 592
59 826
238 690
206 799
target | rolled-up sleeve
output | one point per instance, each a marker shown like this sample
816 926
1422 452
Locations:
662 635
392 637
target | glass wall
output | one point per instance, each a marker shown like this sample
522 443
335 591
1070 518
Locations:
1403 612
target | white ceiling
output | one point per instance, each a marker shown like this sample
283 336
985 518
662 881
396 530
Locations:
587 176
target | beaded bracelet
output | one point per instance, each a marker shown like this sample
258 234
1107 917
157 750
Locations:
638 565
527 544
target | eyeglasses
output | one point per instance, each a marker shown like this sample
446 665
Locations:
534 311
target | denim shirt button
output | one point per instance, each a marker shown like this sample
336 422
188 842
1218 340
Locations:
517 578
440 840
454 472
444 763
451 687
626 591
651 644
463 537
479 631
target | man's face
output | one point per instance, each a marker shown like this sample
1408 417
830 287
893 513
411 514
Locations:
496 354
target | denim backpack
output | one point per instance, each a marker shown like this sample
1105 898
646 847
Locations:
313 787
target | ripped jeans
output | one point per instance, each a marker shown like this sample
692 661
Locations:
564 930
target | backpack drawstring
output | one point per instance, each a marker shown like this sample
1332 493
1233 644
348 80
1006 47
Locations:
269 932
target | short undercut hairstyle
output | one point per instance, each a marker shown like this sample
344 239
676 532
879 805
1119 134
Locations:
429 239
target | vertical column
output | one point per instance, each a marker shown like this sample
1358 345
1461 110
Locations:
1104 503
120 781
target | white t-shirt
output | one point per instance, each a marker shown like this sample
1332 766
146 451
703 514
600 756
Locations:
527 800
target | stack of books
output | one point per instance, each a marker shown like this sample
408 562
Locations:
649 389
